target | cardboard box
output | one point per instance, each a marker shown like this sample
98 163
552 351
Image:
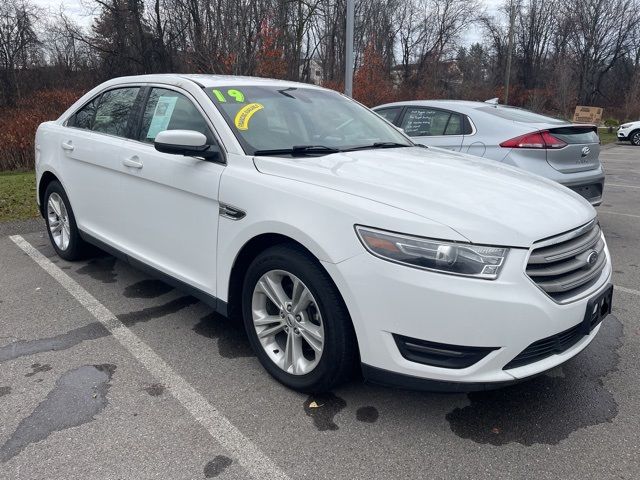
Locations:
587 114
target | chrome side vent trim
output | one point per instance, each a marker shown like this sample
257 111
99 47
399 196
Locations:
230 212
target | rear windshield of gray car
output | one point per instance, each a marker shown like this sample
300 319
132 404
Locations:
520 115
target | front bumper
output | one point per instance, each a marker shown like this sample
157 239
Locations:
507 315
623 134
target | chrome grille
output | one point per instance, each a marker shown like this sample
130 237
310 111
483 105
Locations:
566 265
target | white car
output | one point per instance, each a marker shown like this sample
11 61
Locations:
338 241
630 132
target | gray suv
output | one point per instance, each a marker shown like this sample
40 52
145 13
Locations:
556 149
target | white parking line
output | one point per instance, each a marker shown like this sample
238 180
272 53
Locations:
621 186
616 213
255 462
627 290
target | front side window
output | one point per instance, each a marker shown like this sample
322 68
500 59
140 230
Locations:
425 122
115 111
389 114
270 118
170 110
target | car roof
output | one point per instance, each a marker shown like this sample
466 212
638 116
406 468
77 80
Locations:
437 103
210 80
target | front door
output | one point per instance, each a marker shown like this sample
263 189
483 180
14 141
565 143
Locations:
171 201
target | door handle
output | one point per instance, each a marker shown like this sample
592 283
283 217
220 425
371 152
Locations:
133 162
67 146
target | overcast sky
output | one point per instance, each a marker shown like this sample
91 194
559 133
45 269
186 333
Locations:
82 11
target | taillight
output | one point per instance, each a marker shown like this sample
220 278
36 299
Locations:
543 139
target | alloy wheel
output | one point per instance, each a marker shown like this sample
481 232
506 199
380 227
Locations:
58 221
288 322
636 138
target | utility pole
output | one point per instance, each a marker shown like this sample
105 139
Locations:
348 54
512 21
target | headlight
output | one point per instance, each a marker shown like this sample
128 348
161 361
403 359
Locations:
477 261
625 125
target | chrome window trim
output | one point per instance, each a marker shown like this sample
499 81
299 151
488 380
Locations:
165 86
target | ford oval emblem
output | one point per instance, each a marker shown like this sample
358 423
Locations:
592 258
586 151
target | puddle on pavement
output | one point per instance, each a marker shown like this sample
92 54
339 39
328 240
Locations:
37 368
101 269
77 397
63 341
548 408
216 466
150 313
91 331
367 414
232 339
322 409
149 288
155 389
5 391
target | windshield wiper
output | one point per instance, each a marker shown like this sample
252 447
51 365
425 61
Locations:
378 145
298 150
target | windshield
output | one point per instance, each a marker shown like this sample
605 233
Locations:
290 120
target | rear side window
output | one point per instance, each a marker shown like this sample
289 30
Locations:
170 110
454 127
115 111
389 114
83 118
428 122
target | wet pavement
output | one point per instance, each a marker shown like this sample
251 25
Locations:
74 403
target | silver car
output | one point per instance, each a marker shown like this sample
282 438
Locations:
559 150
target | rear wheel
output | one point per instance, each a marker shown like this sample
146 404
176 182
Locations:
296 321
61 224
634 137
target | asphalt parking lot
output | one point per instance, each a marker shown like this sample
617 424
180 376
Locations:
106 373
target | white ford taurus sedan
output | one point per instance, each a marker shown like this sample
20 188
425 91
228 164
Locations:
339 242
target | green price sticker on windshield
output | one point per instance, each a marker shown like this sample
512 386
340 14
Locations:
237 95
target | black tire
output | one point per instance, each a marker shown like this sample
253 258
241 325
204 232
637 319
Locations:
340 352
77 248
634 138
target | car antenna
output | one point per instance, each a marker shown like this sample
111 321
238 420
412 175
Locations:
492 101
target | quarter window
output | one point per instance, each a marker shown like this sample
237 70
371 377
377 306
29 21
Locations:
454 127
115 110
83 118
170 110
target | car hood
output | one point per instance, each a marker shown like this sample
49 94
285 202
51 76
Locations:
483 200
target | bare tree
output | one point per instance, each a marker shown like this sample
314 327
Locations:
17 42
599 36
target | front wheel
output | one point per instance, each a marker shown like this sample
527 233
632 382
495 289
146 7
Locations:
296 321
635 138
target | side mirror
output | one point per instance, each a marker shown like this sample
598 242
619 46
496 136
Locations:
184 142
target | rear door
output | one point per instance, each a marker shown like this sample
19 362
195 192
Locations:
171 201
581 153
433 127
91 143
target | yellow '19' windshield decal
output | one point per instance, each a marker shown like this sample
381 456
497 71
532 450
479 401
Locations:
244 115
